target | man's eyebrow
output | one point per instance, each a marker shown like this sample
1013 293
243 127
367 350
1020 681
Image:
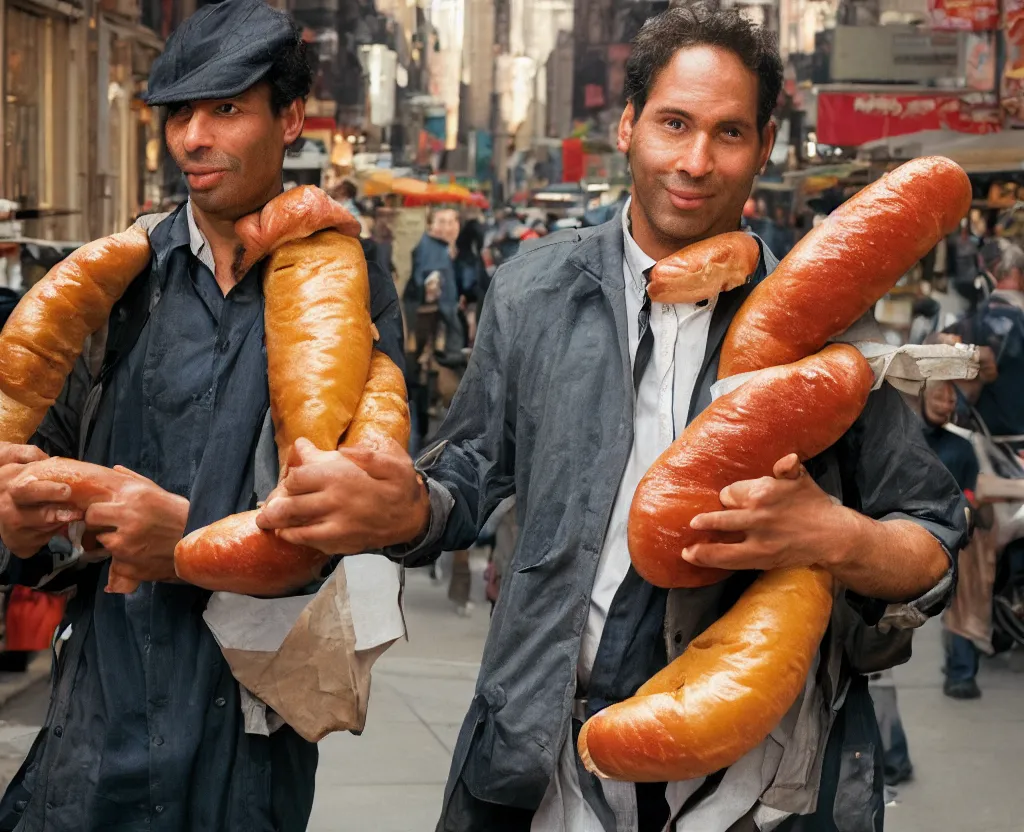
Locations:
669 110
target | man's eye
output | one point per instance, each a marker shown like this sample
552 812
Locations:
733 133
227 109
674 124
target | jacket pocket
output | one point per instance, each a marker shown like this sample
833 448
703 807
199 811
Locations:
857 807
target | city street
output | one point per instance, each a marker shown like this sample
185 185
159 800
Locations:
391 779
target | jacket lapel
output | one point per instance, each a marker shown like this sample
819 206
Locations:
599 255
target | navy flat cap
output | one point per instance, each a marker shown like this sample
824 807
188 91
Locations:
219 52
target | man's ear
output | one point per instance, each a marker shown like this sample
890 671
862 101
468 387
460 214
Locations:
767 144
294 116
626 128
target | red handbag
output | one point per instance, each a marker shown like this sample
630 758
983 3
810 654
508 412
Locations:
32 618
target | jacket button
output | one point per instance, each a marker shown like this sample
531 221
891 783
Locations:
158 808
58 732
158 740
21 806
220 701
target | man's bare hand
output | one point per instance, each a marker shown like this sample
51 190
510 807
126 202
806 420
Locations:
140 528
780 521
988 370
348 501
31 511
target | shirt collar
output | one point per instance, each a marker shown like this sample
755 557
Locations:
637 262
197 242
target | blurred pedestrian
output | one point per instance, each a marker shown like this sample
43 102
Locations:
966 269
470 271
938 404
997 327
347 195
431 306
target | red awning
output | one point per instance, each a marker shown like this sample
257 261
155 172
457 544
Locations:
850 119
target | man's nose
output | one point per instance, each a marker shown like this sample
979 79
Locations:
696 158
197 133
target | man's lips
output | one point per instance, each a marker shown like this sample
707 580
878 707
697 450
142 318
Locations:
200 178
687 200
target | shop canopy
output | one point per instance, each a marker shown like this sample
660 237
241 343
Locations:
416 192
989 153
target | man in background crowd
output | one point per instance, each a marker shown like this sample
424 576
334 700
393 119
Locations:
347 194
997 327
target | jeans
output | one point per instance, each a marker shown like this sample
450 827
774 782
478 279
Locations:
961 659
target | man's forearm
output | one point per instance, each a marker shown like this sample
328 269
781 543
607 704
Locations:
893 560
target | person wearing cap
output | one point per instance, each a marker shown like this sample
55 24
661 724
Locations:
146 729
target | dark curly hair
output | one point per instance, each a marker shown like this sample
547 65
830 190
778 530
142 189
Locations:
290 77
683 26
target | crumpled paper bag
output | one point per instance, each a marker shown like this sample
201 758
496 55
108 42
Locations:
906 368
307 659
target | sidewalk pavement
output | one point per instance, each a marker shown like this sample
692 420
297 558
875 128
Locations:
966 755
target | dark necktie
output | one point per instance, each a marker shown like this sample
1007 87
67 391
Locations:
645 346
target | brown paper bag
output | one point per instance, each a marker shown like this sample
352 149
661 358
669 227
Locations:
970 613
308 658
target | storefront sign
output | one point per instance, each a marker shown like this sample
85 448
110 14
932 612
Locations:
851 119
964 15
1012 86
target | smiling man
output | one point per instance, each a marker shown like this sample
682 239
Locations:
577 383
146 728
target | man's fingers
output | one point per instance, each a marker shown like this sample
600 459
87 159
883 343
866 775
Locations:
11 454
739 520
718 555
759 493
322 536
316 476
122 470
386 463
28 491
290 511
40 521
788 468
104 516
738 494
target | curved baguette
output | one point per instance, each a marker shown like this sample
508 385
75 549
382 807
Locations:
725 694
705 269
840 269
319 337
46 332
810 404
382 415
737 680
292 215
235 555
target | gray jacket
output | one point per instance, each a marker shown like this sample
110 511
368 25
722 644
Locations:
545 411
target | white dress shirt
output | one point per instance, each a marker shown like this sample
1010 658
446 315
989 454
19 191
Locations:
662 402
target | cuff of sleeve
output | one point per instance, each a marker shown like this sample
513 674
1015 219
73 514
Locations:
441 505
911 614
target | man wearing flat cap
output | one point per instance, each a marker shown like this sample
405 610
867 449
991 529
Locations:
146 729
